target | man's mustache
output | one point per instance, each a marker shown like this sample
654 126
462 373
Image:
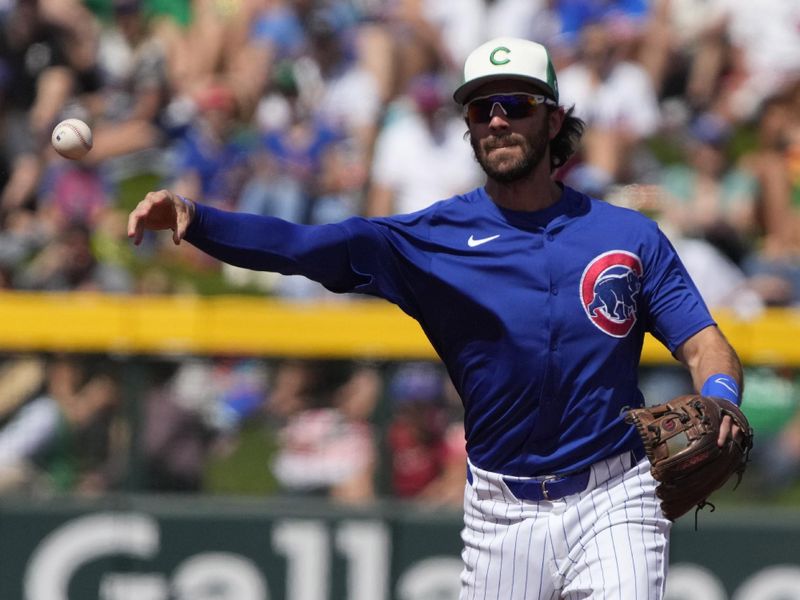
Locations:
495 142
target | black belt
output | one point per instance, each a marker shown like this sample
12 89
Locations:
555 487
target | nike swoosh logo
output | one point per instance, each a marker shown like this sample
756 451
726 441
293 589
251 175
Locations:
472 242
725 384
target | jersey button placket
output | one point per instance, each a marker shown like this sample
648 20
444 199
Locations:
554 292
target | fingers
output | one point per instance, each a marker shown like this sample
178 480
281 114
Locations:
724 431
727 430
160 210
141 217
136 223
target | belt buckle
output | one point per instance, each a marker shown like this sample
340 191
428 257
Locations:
544 485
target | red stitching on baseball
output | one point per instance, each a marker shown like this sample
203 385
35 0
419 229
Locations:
86 144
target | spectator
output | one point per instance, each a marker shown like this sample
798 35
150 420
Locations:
616 98
340 192
69 263
345 95
326 443
41 61
685 51
627 17
721 281
213 157
280 32
213 45
426 436
193 413
532 19
294 142
422 130
128 110
774 161
417 429
72 192
455 26
408 38
59 440
23 235
307 173
764 53
20 378
707 192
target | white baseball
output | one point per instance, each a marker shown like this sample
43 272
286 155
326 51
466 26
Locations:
72 138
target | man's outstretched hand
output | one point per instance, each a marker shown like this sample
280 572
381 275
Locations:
161 210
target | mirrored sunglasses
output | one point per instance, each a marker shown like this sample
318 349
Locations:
514 106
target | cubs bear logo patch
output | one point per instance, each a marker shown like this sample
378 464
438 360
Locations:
609 290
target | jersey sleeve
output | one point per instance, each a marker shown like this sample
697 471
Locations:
319 252
351 256
676 310
389 269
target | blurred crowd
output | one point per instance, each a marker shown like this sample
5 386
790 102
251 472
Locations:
347 431
316 110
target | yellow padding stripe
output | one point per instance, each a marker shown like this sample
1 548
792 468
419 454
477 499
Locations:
85 322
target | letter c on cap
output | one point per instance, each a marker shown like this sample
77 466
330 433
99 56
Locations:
496 61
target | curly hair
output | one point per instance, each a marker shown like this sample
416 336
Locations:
567 140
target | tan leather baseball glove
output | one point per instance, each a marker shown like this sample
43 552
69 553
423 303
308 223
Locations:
680 438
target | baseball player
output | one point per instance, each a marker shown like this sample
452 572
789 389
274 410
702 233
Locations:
537 298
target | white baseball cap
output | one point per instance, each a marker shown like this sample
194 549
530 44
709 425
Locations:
508 58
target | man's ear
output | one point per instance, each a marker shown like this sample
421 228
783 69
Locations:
555 120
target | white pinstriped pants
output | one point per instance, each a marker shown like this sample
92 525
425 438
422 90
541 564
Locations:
610 541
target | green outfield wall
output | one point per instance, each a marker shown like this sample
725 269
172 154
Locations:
144 548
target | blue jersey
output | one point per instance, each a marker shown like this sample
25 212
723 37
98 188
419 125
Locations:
539 317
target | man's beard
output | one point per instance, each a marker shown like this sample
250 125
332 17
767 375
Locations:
533 152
